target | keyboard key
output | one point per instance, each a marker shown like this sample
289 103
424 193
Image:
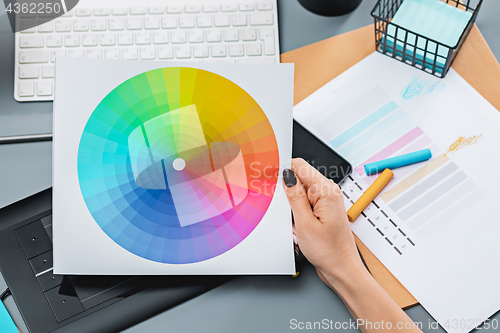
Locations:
116 23
49 280
27 26
266 60
236 50
151 23
165 52
174 9
248 34
28 72
125 38
89 40
130 53
183 51
63 25
192 9
148 53
204 21
119 11
210 8
81 25
138 11
156 10
239 20
254 49
267 36
221 20
98 24
30 41
26 89
186 22
64 306
33 238
44 88
231 35
42 262
94 54
265 6
213 36
196 36
178 37
265 18
56 53
221 60
134 23
38 56
246 7
143 38
68 14
107 39
26 15
160 37
71 40
112 54
47 14
168 22
48 71
76 53
228 8
82 12
46 27
200 51
54 41
218 50
101 11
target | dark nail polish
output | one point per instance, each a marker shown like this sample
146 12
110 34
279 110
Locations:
289 178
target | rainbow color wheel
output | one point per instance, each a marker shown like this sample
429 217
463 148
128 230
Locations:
178 165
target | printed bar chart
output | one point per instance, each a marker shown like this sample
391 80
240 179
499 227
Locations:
418 192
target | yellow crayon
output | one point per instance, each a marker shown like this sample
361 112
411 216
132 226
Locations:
369 195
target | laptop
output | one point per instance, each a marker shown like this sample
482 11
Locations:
61 303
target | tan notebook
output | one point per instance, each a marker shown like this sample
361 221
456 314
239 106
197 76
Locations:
318 63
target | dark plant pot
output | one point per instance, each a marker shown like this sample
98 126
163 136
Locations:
330 7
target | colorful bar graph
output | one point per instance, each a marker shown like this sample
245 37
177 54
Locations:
415 189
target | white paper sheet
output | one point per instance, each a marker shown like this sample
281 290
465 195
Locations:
225 230
435 226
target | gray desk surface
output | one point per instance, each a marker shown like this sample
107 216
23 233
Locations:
248 304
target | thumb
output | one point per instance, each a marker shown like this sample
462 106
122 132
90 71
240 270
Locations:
296 194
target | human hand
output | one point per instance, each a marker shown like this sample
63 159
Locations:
321 228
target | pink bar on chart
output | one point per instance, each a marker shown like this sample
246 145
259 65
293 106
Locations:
392 148
422 143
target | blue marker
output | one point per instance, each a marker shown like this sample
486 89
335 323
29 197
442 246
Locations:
398 161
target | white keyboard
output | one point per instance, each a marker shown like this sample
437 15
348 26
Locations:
232 31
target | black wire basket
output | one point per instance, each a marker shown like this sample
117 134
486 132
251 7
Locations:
429 55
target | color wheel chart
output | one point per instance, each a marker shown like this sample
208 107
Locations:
419 194
171 165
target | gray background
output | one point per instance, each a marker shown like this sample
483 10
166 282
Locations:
247 304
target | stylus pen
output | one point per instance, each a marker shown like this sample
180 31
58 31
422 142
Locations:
25 138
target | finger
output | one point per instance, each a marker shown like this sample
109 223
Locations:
307 174
296 194
317 185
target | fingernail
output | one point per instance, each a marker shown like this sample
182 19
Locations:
289 178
